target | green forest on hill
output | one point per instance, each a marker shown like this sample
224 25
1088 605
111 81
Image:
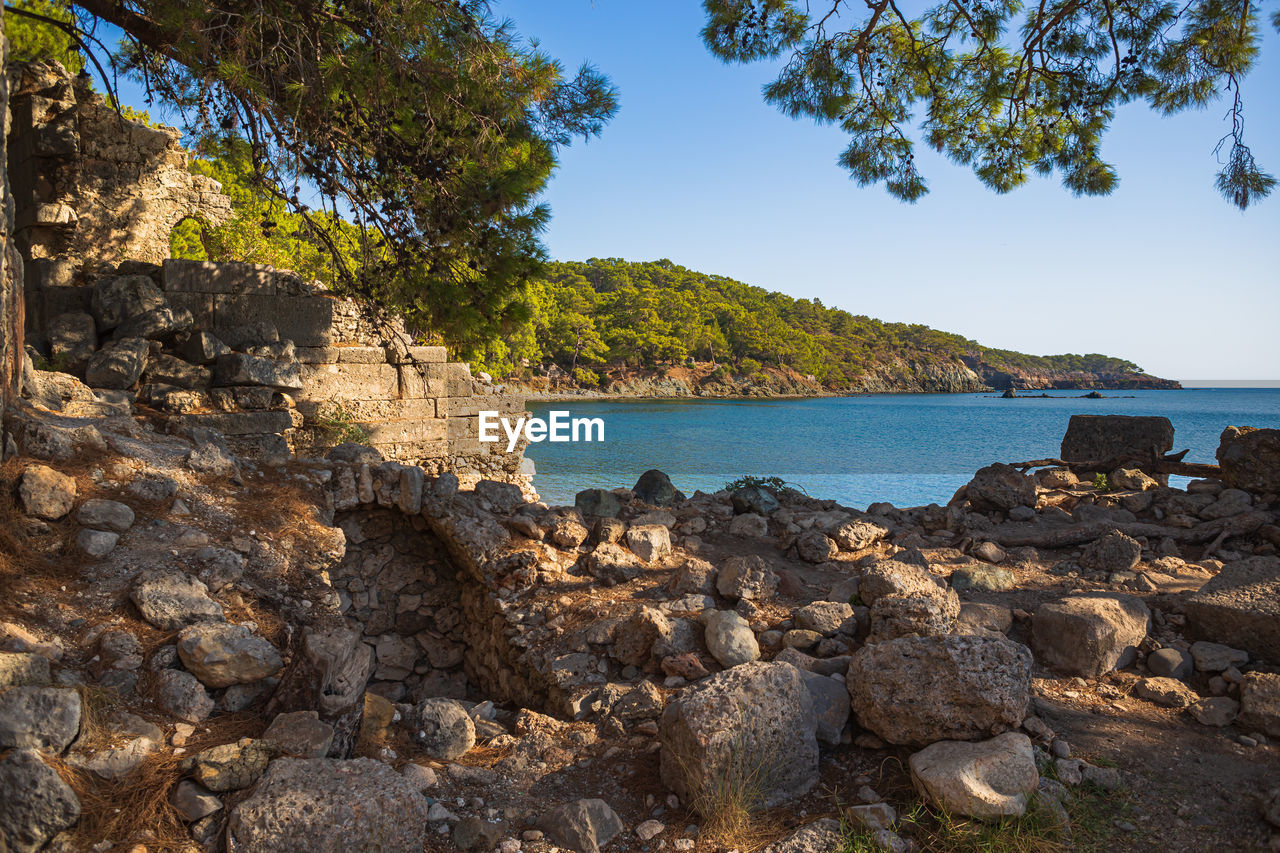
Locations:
606 313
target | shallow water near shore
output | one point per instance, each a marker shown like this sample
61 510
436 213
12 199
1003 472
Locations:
908 449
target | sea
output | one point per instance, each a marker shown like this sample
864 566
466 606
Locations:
907 449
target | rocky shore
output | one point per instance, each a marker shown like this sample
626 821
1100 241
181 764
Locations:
898 376
344 653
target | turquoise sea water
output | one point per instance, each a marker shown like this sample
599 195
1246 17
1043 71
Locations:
908 449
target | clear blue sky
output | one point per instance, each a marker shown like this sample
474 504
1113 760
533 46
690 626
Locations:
698 169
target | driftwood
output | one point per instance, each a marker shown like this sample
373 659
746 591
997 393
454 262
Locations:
1062 536
1152 463
328 674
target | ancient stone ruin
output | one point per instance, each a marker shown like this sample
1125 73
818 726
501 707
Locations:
276 365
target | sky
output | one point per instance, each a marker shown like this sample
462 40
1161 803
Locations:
698 169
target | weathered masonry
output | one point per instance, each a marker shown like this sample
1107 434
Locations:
276 364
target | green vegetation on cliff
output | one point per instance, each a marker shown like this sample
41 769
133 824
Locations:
611 313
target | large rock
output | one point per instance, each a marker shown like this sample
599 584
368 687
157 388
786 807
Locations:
118 365
1250 459
1102 438
830 705
443 727
46 493
821 836
1260 702
654 487
229 766
21 668
103 514
45 718
1001 487
598 503
72 339
1089 635
180 694
755 500
221 655
752 722
856 535
239 368
301 734
988 780
170 599
324 805
907 600
36 805
1240 607
729 638
814 546
920 690
115 300
649 541
1114 552
157 324
746 577
583 826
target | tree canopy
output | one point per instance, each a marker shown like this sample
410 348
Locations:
429 126
609 313
1005 88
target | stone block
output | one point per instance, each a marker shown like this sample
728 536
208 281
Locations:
348 382
375 411
183 276
361 355
236 423
397 432
316 355
241 369
1240 607
305 320
415 383
1095 438
200 305
429 355
462 428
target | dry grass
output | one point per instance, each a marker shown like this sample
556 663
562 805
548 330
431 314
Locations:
731 799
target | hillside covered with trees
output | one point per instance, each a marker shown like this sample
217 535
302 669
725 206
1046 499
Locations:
610 316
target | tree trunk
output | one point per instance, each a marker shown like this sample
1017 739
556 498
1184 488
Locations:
1064 536
328 674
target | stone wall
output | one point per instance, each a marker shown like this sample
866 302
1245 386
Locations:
277 365
10 262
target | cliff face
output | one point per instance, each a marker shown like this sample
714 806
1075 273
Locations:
898 375
10 262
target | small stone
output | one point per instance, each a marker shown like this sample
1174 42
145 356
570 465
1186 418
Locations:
729 639
1217 711
45 718
420 776
220 654
193 801
649 829
180 694
1165 692
443 727
97 543
1170 663
988 780
105 515
584 826
46 493
301 734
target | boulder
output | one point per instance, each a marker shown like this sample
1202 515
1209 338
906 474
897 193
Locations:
105 515
118 365
753 722
97 543
635 636
907 599
1131 479
814 546
985 578
1240 607
830 705
612 564
22 668
1101 438
821 836
115 300
1215 657
565 532
749 526
166 369
501 497
856 535
36 805
976 687
825 617
240 368
729 638
598 503
73 337
203 348
329 806
654 487
180 694
1165 692
1215 711
230 766
44 718
755 500
171 599
46 493
443 728
194 801
301 734
1171 663
221 655
1000 487
1250 459
988 780
1114 552
695 576
583 826
1260 702
649 541
156 324
747 577
1089 635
